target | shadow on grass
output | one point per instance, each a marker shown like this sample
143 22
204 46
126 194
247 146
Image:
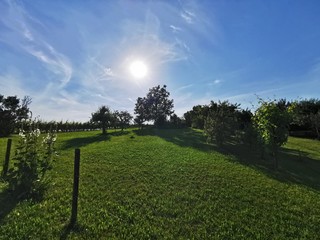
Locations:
10 199
84 141
294 166
69 228
8 202
185 137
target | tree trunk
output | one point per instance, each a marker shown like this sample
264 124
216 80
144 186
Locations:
104 130
275 159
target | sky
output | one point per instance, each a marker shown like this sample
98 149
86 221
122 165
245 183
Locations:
73 56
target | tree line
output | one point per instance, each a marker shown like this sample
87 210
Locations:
305 116
217 119
15 115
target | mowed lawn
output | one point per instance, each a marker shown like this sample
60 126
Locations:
170 184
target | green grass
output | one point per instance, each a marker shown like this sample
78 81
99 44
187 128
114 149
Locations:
170 184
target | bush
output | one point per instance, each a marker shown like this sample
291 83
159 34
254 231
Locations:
33 158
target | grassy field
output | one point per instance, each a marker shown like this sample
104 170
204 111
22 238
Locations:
170 184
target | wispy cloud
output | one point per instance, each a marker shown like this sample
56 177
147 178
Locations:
184 87
175 29
24 36
188 16
54 61
14 88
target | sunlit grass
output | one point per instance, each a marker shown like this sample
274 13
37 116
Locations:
169 184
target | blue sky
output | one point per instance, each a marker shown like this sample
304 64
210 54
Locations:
71 57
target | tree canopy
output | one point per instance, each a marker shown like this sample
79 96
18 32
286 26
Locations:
156 106
221 121
103 116
12 111
124 118
272 122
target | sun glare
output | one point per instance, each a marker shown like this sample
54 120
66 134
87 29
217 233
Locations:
138 69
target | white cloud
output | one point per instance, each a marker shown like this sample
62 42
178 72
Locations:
175 29
215 82
184 87
23 36
57 63
187 16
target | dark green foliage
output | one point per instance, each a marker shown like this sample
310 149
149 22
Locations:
61 126
221 121
176 122
104 117
156 106
197 116
142 111
244 118
12 111
124 118
307 115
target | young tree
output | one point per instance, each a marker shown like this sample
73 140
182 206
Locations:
272 122
124 118
221 121
102 116
141 111
12 111
155 106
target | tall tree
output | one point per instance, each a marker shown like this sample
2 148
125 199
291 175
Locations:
124 118
102 116
12 111
141 111
156 106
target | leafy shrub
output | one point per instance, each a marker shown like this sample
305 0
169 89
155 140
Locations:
221 121
33 158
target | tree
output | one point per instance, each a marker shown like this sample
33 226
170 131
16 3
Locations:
141 111
156 106
12 111
272 122
102 116
197 116
306 115
124 118
315 122
221 121
175 121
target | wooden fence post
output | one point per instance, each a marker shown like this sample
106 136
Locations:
6 161
75 187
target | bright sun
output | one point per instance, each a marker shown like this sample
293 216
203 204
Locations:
138 69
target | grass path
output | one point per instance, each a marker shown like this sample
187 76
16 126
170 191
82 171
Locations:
169 184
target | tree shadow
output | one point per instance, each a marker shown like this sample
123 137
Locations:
10 199
84 141
294 166
185 137
69 228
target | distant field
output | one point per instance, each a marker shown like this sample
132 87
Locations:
169 184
